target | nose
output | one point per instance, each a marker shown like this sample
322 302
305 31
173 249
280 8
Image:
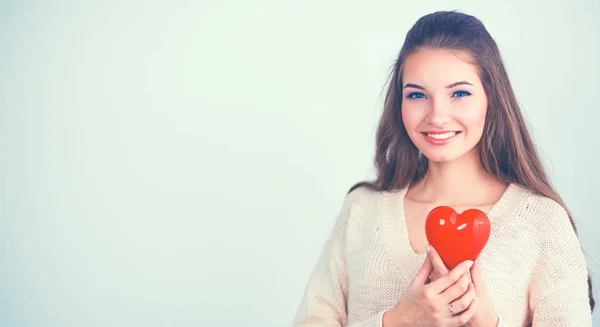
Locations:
439 114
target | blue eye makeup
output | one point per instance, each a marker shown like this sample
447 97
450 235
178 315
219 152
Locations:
419 95
416 95
460 94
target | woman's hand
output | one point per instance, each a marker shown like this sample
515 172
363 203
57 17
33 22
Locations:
486 315
428 304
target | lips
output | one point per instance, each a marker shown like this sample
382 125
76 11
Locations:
440 137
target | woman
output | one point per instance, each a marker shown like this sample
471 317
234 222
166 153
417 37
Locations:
451 134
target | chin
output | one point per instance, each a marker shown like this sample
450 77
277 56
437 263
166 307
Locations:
440 155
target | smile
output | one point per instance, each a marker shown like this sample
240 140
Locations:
440 138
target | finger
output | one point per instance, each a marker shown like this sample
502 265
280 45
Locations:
423 274
464 317
477 276
462 303
450 278
457 290
433 276
438 265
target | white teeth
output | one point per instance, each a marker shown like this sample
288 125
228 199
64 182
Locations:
442 136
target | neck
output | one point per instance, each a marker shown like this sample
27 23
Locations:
462 181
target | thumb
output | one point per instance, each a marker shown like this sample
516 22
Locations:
477 277
423 274
438 265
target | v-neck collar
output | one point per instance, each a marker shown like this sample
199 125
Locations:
395 231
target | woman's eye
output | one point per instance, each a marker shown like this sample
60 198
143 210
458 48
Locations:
416 95
460 94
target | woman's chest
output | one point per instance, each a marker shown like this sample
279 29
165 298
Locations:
381 264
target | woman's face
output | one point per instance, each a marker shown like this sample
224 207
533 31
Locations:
443 104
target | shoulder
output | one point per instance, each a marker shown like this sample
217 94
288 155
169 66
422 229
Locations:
362 205
553 246
549 228
531 207
539 218
362 196
546 213
366 197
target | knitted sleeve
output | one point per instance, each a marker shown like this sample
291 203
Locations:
559 292
324 300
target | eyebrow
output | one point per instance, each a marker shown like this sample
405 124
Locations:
415 86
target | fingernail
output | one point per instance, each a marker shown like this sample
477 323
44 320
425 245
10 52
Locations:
469 264
427 248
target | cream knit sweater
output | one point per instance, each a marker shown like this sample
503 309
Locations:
533 265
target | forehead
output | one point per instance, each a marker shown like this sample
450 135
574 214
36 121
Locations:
435 68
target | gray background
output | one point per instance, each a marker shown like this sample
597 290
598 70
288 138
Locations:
181 163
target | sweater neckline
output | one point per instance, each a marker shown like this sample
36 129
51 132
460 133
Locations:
395 232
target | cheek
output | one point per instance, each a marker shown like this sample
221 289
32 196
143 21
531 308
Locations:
479 120
411 117
482 114
474 120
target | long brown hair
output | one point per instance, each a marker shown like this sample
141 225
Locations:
506 148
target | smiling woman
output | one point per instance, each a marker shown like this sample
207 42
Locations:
437 110
451 118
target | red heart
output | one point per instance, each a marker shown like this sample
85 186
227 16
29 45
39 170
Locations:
457 237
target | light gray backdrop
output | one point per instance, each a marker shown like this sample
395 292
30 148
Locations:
181 163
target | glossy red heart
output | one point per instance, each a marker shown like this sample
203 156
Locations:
457 237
